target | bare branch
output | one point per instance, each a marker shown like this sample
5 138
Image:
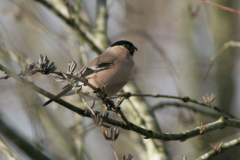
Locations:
87 36
221 123
101 29
183 105
219 6
184 99
227 45
223 147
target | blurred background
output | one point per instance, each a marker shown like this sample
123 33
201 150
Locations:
176 41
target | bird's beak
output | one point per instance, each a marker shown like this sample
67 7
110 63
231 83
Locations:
134 49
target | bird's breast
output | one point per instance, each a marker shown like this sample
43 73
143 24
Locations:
112 80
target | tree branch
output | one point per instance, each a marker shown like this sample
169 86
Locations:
224 147
182 105
184 99
87 36
221 123
101 21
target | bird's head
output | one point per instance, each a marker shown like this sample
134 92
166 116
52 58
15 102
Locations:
128 45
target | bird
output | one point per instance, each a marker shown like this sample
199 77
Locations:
110 71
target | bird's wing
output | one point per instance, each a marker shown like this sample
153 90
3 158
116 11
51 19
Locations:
100 67
97 68
102 62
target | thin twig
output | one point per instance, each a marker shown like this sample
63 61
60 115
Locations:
224 47
123 117
184 99
219 6
183 105
89 108
224 147
114 151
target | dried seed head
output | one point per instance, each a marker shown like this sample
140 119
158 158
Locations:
208 99
71 67
81 72
105 133
105 115
97 118
29 70
129 157
42 64
202 128
113 135
216 146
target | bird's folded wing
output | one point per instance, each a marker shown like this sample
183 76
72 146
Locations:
97 68
100 67
89 71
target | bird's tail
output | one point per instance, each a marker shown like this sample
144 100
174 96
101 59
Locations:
65 91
